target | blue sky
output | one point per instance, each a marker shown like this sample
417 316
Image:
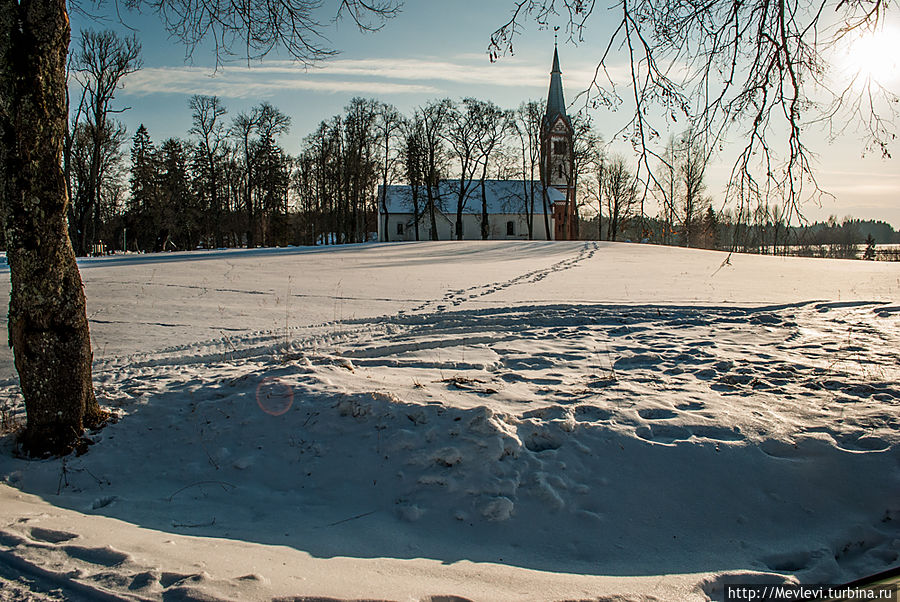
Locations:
431 50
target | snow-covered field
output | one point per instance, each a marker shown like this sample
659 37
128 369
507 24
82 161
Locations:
489 421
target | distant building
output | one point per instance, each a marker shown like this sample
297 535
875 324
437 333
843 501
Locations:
509 202
557 157
506 208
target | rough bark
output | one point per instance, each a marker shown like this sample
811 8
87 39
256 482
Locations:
48 327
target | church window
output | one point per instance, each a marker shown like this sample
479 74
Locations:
559 147
510 228
399 228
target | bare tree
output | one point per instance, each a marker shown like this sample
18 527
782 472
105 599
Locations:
463 134
587 154
270 121
389 121
601 171
415 164
209 129
95 171
758 67
493 123
48 328
691 170
101 63
620 191
528 128
360 163
242 128
253 132
434 116
668 188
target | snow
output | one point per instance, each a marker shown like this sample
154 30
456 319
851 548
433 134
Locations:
492 421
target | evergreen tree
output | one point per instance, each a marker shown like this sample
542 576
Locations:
869 253
711 228
175 214
144 189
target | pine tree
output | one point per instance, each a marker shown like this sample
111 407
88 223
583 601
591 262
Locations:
869 253
711 228
144 189
175 215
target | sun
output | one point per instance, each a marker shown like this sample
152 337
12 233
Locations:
871 57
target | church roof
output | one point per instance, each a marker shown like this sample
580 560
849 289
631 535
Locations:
556 104
503 197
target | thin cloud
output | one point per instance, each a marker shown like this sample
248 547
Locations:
885 187
368 76
868 189
244 83
863 174
463 70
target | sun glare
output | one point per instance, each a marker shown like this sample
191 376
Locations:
872 56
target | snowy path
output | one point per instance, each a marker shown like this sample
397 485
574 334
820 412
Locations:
493 424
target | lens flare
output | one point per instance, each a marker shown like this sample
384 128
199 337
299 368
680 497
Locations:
273 396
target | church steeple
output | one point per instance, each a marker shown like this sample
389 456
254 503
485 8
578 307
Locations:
557 159
556 104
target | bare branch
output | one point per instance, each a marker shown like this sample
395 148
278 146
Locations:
256 27
756 71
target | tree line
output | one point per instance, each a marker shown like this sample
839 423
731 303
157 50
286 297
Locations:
229 182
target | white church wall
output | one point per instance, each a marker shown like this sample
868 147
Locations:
498 223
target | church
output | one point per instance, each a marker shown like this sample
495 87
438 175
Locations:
507 200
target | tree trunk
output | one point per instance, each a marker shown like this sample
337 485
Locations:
387 215
48 327
529 207
546 216
431 212
485 225
248 192
460 203
600 205
216 203
415 203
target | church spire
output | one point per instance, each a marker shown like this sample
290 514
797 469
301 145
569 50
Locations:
556 104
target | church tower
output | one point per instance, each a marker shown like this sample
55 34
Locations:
557 159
